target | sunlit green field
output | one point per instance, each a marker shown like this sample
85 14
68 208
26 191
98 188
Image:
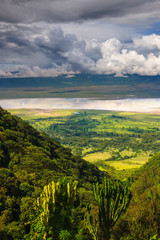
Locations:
124 141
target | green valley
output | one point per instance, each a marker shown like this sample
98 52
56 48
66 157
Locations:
119 142
46 192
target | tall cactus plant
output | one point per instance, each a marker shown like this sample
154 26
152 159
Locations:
112 199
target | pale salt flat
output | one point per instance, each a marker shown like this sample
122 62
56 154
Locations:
129 104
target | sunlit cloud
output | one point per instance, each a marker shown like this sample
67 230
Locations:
150 42
49 38
34 51
116 59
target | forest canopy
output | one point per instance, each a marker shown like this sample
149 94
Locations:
38 177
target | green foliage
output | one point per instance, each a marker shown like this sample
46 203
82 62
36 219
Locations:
142 219
56 212
65 235
91 223
129 138
154 238
113 200
29 160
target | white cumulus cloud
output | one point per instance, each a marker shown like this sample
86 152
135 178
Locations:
150 42
120 61
51 52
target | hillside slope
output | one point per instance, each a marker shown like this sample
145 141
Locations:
142 219
28 161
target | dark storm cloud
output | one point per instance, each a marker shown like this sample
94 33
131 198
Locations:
27 11
44 50
43 47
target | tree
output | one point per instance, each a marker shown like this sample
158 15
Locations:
112 199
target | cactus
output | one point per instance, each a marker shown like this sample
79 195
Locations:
112 199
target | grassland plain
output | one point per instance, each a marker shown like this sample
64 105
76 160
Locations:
119 142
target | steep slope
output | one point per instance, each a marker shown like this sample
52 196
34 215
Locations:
142 219
28 161
22 148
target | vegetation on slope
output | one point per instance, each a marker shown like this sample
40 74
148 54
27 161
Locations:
142 219
30 201
29 160
121 140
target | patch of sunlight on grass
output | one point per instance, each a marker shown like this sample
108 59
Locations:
86 150
93 157
128 163
126 153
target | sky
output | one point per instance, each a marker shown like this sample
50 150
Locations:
47 38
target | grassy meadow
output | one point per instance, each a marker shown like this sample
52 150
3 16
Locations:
118 142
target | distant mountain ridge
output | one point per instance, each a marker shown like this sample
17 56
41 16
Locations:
76 80
81 86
